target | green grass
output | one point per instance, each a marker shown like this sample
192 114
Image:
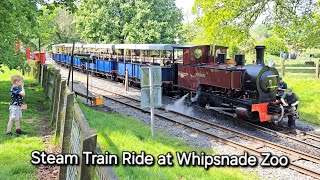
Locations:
15 151
308 90
118 133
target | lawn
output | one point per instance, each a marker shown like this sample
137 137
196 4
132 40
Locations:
15 151
118 133
308 90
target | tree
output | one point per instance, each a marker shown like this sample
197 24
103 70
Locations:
228 21
56 26
193 34
260 33
119 21
301 33
19 22
275 45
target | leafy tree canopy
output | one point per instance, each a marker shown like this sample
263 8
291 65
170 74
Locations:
56 26
229 21
275 46
260 33
138 21
301 33
193 34
19 22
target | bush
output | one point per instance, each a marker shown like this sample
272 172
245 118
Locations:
315 53
275 46
233 50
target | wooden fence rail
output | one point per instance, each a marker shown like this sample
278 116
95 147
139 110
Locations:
282 68
71 127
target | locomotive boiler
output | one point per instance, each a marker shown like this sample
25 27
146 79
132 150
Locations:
242 91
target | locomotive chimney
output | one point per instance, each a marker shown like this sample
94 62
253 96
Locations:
260 54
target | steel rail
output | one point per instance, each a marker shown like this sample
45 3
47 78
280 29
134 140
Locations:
307 135
296 155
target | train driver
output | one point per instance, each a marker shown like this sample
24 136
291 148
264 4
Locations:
282 87
291 99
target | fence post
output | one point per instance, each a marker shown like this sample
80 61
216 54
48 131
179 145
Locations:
43 82
56 97
48 77
317 69
65 133
282 67
89 144
39 66
53 88
62 107
104 172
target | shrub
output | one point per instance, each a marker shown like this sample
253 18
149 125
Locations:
315 53
233 50
275 46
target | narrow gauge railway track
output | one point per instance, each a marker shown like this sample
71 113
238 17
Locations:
294 155
282 132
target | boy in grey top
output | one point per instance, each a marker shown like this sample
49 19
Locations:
17 93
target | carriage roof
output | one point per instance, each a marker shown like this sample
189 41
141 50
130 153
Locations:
161 47
99 46
67 45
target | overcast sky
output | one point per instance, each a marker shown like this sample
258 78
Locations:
186 6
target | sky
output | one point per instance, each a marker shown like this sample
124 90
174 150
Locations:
186 6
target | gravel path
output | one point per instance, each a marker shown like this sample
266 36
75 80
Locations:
195 139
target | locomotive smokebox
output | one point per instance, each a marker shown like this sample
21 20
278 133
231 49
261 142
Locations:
260 54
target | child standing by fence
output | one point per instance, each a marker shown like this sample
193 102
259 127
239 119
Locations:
17 93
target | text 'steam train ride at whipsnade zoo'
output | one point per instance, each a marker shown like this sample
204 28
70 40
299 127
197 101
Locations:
230 87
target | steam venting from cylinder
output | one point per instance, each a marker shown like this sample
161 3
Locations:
260 54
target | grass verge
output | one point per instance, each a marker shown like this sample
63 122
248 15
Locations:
118 133
15 151
308 90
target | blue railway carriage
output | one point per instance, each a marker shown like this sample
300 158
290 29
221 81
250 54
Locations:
112 60
58 52
61 53
103 63
133 56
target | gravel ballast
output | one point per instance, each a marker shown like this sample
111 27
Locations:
197 139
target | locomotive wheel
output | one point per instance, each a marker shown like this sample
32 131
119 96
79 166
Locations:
202 101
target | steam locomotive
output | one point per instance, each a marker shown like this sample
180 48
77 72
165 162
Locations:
242 91
212 81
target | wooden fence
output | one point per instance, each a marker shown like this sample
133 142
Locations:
71 127
282 68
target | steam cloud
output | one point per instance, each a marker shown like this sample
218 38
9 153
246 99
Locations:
178 106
